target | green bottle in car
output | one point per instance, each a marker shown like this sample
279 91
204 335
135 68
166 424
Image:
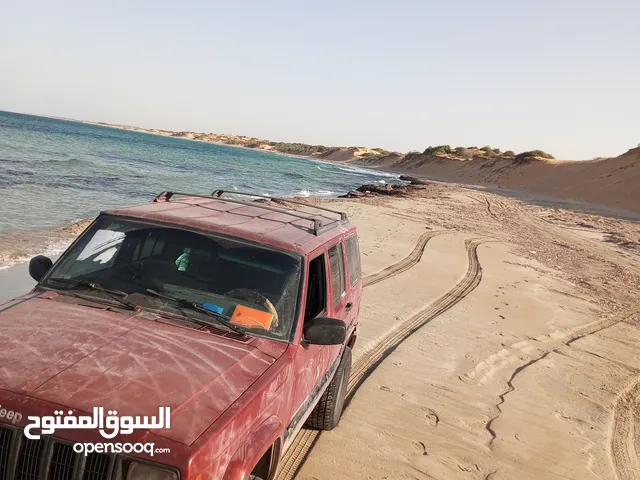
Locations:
182 261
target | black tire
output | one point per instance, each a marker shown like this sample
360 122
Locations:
326 415
253 477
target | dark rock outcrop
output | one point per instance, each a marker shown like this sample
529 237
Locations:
414 180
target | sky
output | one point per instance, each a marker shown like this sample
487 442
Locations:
562 76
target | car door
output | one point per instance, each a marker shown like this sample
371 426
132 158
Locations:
340 302
313 362
354 277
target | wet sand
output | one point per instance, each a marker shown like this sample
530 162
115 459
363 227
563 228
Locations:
15 281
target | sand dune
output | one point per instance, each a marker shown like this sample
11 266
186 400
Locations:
612 182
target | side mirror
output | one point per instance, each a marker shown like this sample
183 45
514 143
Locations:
325 331
39 266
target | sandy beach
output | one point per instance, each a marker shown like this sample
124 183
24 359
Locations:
498 342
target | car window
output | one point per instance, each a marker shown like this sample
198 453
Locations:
336 264
353 259
316 301
225 275
100 252
152 245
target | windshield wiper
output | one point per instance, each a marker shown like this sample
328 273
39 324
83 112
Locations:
220 318
116 295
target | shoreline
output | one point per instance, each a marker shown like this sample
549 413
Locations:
602 185
127 128
351 151
53 241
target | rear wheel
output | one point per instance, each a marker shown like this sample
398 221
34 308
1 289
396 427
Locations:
328 411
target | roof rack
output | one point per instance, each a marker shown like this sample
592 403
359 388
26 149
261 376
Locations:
318 226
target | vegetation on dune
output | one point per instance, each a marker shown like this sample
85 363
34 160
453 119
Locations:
446 149
382 151
534 154
471 152
321 150
370 156
298 148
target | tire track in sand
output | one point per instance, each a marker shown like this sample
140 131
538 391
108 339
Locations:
363 368
489 211
403 265
525 353
624 446
293 460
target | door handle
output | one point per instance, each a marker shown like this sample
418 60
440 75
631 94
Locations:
348 306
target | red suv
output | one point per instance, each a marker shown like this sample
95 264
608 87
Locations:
238 316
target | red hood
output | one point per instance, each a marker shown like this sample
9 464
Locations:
82 357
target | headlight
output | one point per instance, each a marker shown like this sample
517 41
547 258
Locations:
142 471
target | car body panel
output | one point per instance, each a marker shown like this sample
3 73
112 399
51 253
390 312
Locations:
59 353
257 224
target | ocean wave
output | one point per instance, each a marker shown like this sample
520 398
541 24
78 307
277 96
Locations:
51 250
71 161
12 161
18 173
313 193
20 247
354 174
293 175
369 173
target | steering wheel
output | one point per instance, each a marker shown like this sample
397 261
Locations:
255 297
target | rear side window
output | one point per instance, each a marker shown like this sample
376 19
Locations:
336 263
316 289
353 257
150 246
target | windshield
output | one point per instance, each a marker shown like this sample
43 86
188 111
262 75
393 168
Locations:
252 288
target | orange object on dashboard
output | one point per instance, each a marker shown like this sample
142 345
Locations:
250 317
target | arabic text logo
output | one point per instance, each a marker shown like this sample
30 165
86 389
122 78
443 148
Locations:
109 426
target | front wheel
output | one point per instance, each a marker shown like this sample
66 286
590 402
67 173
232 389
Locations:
328 411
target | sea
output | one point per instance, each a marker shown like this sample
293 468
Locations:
55 175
